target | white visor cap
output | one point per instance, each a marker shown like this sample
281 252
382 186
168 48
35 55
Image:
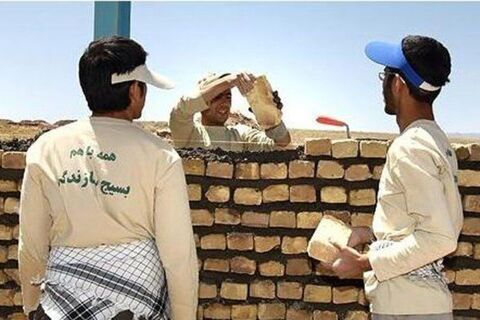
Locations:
143 74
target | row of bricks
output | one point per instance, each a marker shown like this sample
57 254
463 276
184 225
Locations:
350 148
292 220
267 289
248 241
346 148
339 149
275 219
244 265
272 268
294 267
279 311
295 169
280 192
271 311
326 169
276 193
302 220
300 194
306 267
262 311
283 192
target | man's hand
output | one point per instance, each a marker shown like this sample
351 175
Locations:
360 236
350 263
277 100
244 82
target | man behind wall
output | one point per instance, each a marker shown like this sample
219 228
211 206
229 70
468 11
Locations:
213 98
101 198
419 214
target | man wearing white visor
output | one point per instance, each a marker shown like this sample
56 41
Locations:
105 220
419 214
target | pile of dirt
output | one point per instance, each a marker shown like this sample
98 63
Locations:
16 144
221 155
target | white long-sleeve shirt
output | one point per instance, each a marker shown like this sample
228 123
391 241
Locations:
419 207
106 181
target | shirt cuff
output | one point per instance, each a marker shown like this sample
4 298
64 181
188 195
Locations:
375 259
277 132
28 309
381 266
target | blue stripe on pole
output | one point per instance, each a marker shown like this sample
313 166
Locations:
112 18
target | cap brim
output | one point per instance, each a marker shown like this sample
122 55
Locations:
158 80
142 73
387 54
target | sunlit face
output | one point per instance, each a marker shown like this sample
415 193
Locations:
387 92
140 101
219 109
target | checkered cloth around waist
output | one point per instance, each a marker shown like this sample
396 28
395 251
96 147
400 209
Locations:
98 283
430 273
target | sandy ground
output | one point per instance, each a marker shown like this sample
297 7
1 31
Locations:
29 129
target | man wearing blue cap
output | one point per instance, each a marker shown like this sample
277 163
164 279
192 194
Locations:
419 212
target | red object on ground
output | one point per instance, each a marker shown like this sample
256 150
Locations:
331 121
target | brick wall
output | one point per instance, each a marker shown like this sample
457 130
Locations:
253 214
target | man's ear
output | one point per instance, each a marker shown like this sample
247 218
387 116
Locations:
134 91
399 84
131 91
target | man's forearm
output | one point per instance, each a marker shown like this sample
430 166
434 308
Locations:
279 134
182 118
30 270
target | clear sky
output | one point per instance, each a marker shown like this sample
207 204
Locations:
312 52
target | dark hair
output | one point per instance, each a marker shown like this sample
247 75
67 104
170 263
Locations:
100 60
431 60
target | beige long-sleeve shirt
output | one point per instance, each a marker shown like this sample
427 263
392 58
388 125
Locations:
106 181
419 207
188 133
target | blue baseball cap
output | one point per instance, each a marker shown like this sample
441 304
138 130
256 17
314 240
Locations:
391 55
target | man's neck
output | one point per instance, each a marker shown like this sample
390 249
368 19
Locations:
123 115
212 124
414 112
